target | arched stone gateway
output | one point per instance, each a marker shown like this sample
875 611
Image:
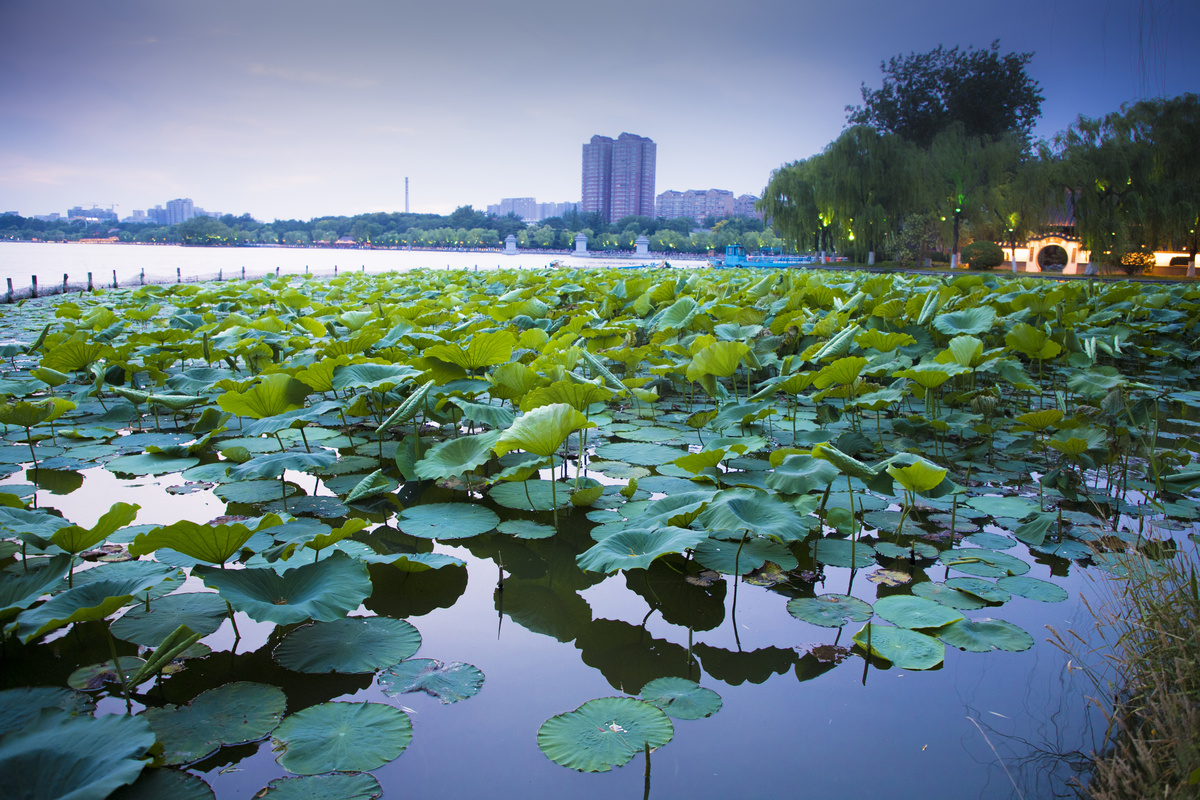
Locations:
1046 253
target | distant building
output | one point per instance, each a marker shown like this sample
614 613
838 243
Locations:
93 213
618 176
529 209
701 203
157 215
180 210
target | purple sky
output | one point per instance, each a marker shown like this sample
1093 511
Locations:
299 108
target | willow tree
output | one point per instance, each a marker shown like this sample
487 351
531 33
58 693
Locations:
790 202
1175 172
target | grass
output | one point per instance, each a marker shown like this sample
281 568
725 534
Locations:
1143 659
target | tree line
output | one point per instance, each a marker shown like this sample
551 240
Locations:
465 228
942 154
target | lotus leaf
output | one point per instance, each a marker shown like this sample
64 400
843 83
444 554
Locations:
81 758
719 359
349 645
736 558
92 601
640 453
203 612
985 635
151 464
604 733
447 520
19 590
456 456
759 512
273 465
211 544
948 596
983 563
984 590
341 737
155 784
273 394
829 610
542 430
800 474
20 707
325 590
914 612
525 529
966 321
905 648
487 349
1033 588
635 548
449 683
1015 507
843 553
339 786
92 677
535 495
681 698
234 713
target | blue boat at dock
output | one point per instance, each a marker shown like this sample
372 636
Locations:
768 257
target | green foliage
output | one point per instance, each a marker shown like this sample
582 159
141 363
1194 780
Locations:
983 255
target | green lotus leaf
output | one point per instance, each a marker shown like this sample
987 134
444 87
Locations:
409 408
983 563
845 464
373 377
1034 531
254 492
719 359
829 610
905 648
211 544
985 635
497 417
150 464
948 596
93 677
1074 442
919 476
456 456
679 509
577 393
273 394
737 558
296 418
929 376
1039 420
273 465
1095 382
651 455
349 645
168 578
449 683
50 377
19 590
842 372
338 786
92 601
234 713
341 737
1015 507
74 355
325 590
414 562
157 783
681 698
24 413
75 757
968 321
635 548
1033 588
542 430
526 529
76 539
843 553
534 495
447 520
202 612
678 315
23 522
22 706
984 590
883 342
759 512
696 463
801 474
914 612
604 733
373 485
1030 341
487 349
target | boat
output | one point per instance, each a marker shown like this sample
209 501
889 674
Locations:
768 257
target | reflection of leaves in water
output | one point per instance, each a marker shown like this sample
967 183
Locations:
628 656
558 611
735 668
688 600
396 593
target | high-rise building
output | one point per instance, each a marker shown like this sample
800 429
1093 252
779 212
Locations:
699 203
180 210
618 176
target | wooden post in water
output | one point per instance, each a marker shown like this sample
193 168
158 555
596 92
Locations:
277 272
243 273
90 287
178 275
115 278
8 298
141 280
220 275
64 289
306 269
335 270
34 289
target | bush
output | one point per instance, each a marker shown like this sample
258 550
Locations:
983 255
1136 263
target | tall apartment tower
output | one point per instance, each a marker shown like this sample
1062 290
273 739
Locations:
618 176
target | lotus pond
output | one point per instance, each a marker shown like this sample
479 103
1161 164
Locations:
455 534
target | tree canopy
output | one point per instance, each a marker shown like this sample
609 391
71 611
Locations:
922 94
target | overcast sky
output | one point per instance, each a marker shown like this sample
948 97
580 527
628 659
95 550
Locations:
296 109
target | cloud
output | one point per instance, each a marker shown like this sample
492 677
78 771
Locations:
311 77
18 171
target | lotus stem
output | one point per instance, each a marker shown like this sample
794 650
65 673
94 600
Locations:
112 649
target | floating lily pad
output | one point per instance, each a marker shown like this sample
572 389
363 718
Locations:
1033 588
681 698
533 495
983 563
449 683
1015 507
447 520
235 713
948 596
349 645
256 491
349 786
604 733
525 529
829 610
19 707
342 737
915 612
618 470
155 784
843 553
907 551
905 648
724 557
150 464
203 612
991 541
91 678
325 590
985 635
636 548
984 590
640 453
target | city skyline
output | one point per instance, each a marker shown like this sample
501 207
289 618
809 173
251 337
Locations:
267 109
